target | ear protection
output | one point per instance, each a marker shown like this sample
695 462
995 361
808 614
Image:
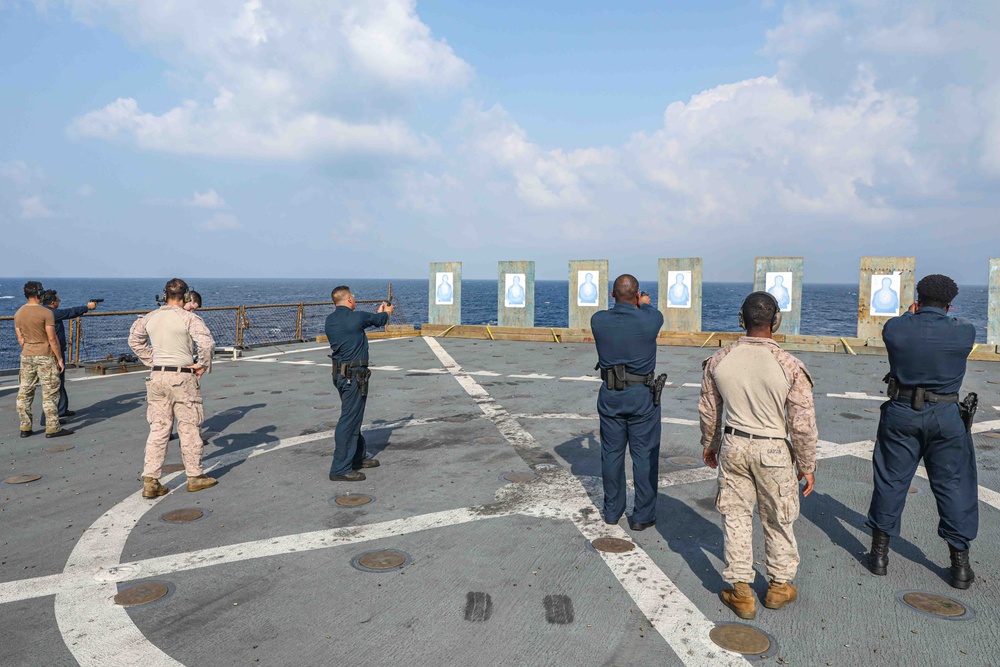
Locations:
775 321
162 297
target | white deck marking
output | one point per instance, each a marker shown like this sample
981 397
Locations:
488 374
857 395
533 376
579 378
576 416
696 385
428 371
302 362
675 618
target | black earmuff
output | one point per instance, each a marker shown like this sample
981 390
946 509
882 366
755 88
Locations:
775 321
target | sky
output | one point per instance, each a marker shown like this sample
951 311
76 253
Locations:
368 138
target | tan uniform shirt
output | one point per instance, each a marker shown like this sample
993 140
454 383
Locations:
171 336
31 320
765 391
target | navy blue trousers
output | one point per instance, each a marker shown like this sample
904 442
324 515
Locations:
628 417
937 435
350 447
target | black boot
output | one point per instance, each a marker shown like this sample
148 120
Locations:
878 557
962 575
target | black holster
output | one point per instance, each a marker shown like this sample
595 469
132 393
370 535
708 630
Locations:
967 408
656 386
355 371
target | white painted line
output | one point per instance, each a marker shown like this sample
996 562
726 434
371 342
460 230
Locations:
278 354
696 385
533 376
980 427
673 615
385 368
488 374
579 417
262 361
303 362
581 378
428 371
857 395
996 407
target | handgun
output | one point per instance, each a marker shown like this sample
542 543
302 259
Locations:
97 300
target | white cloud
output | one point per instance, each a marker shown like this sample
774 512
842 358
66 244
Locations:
33 208
801 26
282 82
86 190
208 199
20 172
221 222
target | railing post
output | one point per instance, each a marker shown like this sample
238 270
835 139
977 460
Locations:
300 321
76 343
239 326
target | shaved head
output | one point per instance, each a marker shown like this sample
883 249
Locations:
340 294
626 288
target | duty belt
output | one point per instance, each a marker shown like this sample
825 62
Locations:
617 378
918 396
354 371
173 369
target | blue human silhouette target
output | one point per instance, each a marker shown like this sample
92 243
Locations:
586 293
779 285
444 293
514 294
679 289
885 295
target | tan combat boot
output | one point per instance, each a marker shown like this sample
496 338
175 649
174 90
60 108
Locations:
778 595
739 598
201 482
151 488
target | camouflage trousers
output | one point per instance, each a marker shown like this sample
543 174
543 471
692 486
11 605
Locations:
34 370
758 472
169 395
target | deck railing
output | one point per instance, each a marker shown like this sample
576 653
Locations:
98 335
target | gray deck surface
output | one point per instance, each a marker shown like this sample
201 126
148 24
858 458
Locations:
266 577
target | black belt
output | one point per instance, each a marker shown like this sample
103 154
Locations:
629 379
729 430
929 397
173 369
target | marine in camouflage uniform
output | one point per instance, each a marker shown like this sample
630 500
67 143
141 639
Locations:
766 394
169 340
34 325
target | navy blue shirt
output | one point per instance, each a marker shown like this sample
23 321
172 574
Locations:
345 329
65 314
627 335
929 349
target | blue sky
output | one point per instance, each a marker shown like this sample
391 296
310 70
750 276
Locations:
367 138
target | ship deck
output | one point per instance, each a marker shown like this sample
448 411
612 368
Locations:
496 571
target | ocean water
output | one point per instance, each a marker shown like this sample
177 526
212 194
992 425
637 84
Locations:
827 310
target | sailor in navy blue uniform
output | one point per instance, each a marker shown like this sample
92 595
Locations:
922 419
50 299
626 348
345 329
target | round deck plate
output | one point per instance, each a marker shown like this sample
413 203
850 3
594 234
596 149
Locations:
938 606
22 479
172 467
183 515
384 560
351 500
488 440
518 477
612 545
59 448
139 594
739 638
685 461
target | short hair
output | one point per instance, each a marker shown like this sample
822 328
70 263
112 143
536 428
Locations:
33 289
626 287
194 297
936 291
49 297
759 310
175 288
340 293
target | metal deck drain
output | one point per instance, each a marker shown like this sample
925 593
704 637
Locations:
740 638
685 461
518 477
384 560
183 515
59 448
488 440
143 593
938 606
172 467
351 500
22 479
612 545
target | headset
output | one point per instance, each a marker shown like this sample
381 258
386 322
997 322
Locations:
162 298
775 321
33 288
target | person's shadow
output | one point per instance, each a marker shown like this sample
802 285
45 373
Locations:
220 421
826 512
106 409
258 439
378 435
693 537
